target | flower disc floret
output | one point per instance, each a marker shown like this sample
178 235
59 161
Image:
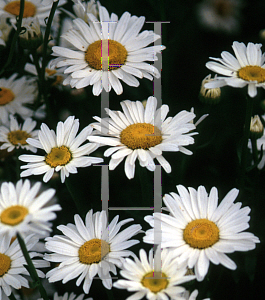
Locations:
18 137
13 8
59 156
93 251
252 73
5 263
6 96
201 233
117 54
13 215
141 136
155 284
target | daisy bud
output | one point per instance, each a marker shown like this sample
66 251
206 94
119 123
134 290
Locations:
256 128
208 95
30 35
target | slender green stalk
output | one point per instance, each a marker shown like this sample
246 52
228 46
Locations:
255 150
109 294
71 190
244 151
45 47
147 189
31 268
38 68
15 37
12 297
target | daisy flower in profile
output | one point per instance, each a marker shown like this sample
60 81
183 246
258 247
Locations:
143 132
72 296
154 283
24 209
56 75
247 68
32 8
15 135
200 231
12 264
14 93
63 151
103 56
90 248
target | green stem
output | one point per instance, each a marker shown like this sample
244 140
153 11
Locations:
109 294
45 46
71 190
31 268
39 70
12 297
147 189
244 151
15 37
254 150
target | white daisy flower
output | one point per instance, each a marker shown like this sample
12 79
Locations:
140 275
143 133
15 136
127 52
247 68
23 210
32 8
89 249
14 93
72 296
199 232
13 261
63 151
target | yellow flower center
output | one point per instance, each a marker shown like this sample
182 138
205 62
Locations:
59 156
13 215
5 263
18 137
93 251
153 282
50 72
14 9
117 54
252 73
201 233
141 136
6 96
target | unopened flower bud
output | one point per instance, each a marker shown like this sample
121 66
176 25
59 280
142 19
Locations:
209 96
256 128
30 36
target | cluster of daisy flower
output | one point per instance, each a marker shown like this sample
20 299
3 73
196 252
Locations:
95 48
